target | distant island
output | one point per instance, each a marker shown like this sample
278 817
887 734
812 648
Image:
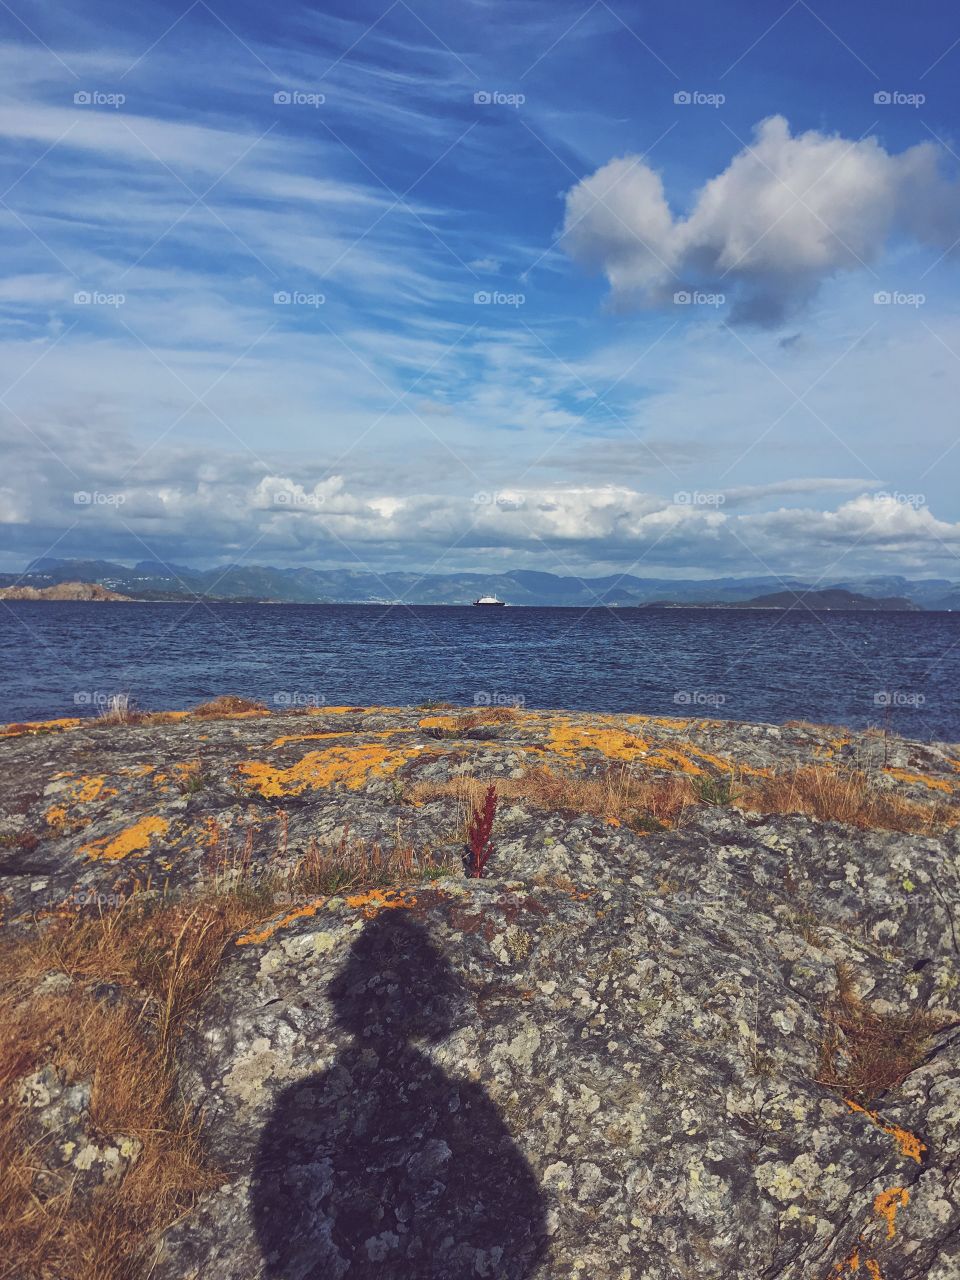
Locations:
835 598
62 591
154 580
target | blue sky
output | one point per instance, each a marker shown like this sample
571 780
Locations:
581 287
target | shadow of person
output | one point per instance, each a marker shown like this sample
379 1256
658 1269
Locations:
383 1165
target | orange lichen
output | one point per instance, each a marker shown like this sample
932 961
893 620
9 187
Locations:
87 790
267 932
351 766
918 779
851 1264
39 726
56 815
134 839
377 900
447 723
674 760
908 1143
338 733
616 744
886 1204
873 1269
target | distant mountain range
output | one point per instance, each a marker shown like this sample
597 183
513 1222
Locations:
153 580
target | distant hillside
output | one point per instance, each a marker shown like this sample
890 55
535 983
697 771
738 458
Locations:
833 598
156 580
61 591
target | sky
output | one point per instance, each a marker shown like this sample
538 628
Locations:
582 287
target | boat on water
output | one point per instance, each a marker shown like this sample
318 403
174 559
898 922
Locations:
488 601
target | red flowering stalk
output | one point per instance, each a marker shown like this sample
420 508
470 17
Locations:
481 826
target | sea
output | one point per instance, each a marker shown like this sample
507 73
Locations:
899 671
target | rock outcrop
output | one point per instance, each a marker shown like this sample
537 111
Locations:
62 591
618 1056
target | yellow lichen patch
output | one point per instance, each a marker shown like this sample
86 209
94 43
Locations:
133 839
377 900
851 1264
707 757
39 726
331 711
210 833
86 790
873 1269
675 761
338 733
918 779
266 933
886 1204
351 766
568 740
447 723
908 1143
56 815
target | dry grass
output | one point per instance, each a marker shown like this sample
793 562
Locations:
164 959
866 1053
848 796
616 796
647 801
120 710
163 956
228 704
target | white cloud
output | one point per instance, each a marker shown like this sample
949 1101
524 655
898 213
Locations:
787 212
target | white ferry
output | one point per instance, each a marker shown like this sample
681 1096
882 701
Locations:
490 600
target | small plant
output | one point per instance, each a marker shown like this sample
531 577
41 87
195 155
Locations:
481 826
716 791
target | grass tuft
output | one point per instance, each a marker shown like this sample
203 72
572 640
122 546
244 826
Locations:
865 1053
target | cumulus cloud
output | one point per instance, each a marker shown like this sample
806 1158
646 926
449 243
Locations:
788 212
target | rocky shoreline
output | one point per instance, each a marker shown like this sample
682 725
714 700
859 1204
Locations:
639 1049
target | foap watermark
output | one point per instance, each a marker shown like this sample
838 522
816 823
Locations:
496 298
298 98
696 98
79 899
298 698
898 698
94 498
489 698
698 298
499 498
95 698
915 500
494 98
699 698
297 298
895 98
897 298
292 498
95 298
697 498
96 98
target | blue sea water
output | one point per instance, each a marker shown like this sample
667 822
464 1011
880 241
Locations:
899 670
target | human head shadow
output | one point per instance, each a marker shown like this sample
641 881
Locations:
384 1166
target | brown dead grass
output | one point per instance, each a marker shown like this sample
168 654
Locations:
848 796
228 704
645 801
865 1053
617 796
164 959
164 956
